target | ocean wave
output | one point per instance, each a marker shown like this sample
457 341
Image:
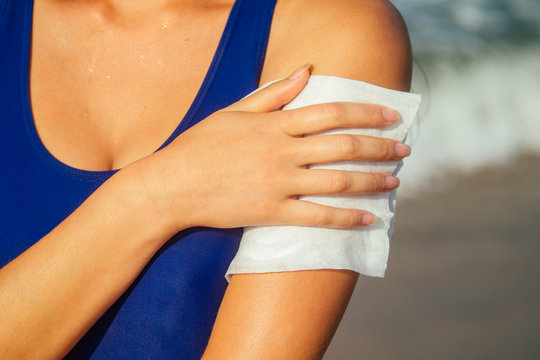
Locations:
475 115
446 28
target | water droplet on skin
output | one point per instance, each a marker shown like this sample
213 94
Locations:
186 40
164 25
107 76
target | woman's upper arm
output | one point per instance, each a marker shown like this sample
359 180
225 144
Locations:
362 40
288 315
293 315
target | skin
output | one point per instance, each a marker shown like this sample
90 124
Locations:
80 107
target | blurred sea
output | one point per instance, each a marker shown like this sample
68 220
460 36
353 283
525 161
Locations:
462 277
478 68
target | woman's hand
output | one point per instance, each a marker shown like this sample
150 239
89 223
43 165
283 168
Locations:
246 164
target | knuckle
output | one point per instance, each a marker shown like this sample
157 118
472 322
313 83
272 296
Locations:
276 92
350 219
284 122
384 150
373 183
323 218
348 145
334 111
274 89
339 183
374 114
278 209
379 182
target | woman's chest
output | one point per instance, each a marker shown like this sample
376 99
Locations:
114 91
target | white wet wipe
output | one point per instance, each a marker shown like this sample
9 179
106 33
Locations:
266 249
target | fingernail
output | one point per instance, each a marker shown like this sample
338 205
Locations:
402 150
368 219
391 182
390 116
299 71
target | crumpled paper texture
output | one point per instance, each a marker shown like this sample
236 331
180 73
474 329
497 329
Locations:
364 250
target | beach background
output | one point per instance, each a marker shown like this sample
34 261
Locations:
464 268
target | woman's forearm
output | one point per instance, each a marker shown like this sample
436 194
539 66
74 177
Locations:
53 293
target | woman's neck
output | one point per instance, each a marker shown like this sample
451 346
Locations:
153 6
135 12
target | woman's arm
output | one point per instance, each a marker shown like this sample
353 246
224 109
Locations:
52 293
293 315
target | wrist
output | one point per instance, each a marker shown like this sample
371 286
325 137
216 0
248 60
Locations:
142 184
138 199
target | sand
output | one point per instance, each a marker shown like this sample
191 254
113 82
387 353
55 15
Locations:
462 279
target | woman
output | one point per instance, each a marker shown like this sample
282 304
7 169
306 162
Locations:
105 263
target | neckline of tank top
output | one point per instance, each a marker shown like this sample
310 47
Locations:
100 175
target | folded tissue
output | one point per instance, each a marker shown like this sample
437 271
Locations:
266 249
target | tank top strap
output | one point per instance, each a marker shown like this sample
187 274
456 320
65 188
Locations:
239 69
15 19
244 56
15 16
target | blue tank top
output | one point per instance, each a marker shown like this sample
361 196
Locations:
169 311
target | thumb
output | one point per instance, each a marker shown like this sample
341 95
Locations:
275 95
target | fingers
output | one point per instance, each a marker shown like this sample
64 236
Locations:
320 117
276 95
322 181
329 148
306 213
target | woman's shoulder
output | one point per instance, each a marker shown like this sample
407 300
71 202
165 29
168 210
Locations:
364 40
